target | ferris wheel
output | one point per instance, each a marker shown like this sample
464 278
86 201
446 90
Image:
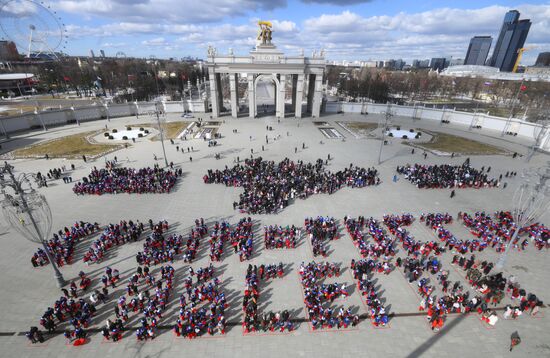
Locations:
33 26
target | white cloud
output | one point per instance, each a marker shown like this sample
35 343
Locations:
435 33
159 41
346 35
168 11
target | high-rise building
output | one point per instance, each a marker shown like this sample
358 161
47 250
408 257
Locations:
478 50
511 38
543 59
438 63
102 53
92 55
421 63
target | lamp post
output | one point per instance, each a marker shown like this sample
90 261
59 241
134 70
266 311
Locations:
387 117
543 131
161 131
27 211
531 200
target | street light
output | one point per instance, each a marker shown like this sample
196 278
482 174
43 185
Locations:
531 200
27 211
161 131
540 132
387 117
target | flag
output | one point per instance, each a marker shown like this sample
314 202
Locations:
523 88
131 77
66 78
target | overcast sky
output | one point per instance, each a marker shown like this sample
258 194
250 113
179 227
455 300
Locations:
347 29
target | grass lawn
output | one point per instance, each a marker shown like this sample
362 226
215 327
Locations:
72 146
171 129
449 143
361 128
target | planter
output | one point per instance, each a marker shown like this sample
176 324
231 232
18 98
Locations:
411 130
140 135
125 137
111 137
128 128
398 128
146 131
114 131
390 134
106 134
405 137
141 129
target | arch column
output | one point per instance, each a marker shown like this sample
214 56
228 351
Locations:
299 95
317 96
251 96
233 86
214 92
281 94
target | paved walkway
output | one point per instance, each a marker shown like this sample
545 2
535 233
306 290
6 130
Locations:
28 292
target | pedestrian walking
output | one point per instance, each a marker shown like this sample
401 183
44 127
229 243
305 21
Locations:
514 340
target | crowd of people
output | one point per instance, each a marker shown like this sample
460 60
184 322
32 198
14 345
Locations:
113 235
317 294
363 271
242 238
278 237
202 305
112 180
421 262
218 237
71 309
494 287
61 247
268 321
320 230
383 245
269 187
141 302
413 247
447 176
159 249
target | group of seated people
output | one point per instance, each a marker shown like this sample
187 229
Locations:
316 294
278 237
416 248
447 176
320 230
219 235
202 305
69 308
150 306
114 180
268 321
383 245
113 235
61 246
269 186
242 238
362 272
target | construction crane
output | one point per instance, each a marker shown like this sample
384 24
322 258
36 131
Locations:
520 54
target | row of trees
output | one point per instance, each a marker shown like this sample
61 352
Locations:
496 96
125 79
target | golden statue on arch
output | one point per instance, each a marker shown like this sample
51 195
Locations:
264 33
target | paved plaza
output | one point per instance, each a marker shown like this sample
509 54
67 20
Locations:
27 291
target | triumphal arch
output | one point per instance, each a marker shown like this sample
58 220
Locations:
263 63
